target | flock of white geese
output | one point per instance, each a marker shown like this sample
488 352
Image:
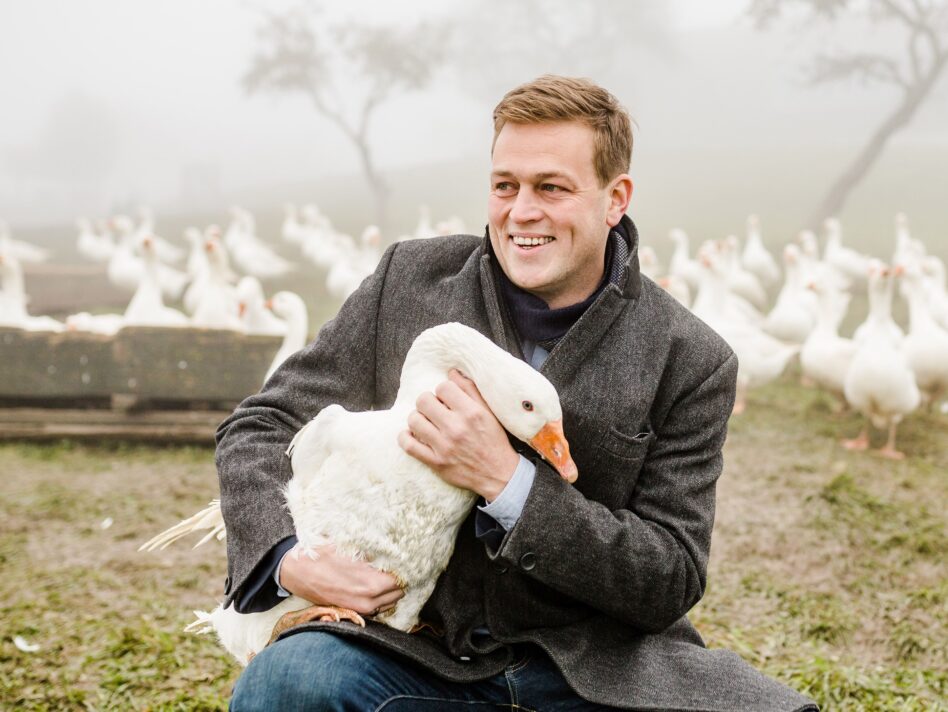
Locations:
885 370
218 286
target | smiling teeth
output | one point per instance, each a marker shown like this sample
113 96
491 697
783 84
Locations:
530 241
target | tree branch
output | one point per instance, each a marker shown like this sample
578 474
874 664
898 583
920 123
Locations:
864 67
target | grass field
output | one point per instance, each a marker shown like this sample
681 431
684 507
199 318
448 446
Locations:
827 570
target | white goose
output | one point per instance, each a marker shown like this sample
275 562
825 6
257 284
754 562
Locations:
755 258
147 308
826 356
380 504
22 251
681 265
13 298
291 309
880 383
216 304
251 306
926 344
879 318
851 264
794 314
739 280
91 245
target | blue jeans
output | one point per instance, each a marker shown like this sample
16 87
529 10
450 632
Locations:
314 670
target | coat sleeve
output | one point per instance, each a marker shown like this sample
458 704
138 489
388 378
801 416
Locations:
645 564
338 367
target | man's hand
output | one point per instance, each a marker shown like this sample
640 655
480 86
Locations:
454 432
332 579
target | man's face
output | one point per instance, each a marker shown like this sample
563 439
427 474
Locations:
544 189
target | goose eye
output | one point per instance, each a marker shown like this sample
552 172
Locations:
527 405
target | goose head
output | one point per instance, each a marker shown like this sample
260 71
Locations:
521 398
292 309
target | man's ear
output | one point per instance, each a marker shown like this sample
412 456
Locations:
620 193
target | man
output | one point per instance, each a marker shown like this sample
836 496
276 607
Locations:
557 596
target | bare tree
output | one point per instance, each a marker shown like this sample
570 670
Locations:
346 70
914 72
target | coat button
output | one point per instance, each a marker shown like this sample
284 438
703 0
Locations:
528 561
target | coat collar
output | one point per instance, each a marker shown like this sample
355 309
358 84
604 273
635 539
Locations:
587 330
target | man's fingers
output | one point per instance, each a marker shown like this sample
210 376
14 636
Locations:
423 430
417 449
466 385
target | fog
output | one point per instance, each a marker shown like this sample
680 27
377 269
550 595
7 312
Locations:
111 104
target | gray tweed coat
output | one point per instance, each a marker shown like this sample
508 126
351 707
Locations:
601 574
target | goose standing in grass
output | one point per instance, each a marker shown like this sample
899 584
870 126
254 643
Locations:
355 488
826 356
879 319
794 314
880 383
926 343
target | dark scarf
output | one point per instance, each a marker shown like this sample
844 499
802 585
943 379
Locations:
536 322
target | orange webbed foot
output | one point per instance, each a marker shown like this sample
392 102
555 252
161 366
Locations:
314 613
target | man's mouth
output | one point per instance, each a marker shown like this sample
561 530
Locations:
528 242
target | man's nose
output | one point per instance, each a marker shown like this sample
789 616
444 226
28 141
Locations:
526 207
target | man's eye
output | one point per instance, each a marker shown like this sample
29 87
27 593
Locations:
504 187
550 188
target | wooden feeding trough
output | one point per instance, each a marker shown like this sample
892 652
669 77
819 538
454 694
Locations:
176 384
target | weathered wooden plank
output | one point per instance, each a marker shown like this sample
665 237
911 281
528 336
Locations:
39 424
161 364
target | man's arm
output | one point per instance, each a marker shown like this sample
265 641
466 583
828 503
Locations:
338 367
644 564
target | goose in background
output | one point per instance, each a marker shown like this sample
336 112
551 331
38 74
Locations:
879 319
290 308
18 249
409 526
216 302
739 280
94 246
251 254
292 230
880 383
852 265
755 258
147 307
452 225
103 324
252 309
166 252
126 267
794 314
813 268
648 262
678 288
926 344
935 288
13 298
353 266
681 265
761 358
826 356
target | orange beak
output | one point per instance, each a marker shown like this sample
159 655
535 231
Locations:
551 443
241 309
268 304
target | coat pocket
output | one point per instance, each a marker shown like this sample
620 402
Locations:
618 462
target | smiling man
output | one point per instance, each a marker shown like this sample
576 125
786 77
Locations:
557 596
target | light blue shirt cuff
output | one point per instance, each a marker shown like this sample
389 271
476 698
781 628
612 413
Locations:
508 506
281 592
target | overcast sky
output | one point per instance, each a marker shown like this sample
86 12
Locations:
150 91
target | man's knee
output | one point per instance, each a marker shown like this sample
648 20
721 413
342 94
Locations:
309 670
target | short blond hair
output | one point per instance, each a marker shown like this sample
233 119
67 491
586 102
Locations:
553 98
